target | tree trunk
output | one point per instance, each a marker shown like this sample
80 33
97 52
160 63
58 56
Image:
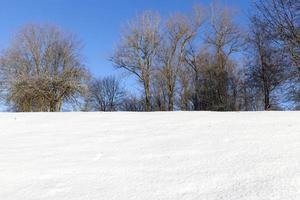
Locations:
147 96
197 92
267 100
55 105
171 101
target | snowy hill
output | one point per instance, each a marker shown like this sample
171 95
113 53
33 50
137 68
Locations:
150 156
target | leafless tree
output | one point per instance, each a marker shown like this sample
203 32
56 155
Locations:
184 82
2 84
159 94
283 23
42 68
180 30
198 61
225 38
132 103
247 97
105 94
205 78
282 19
137 50
268 64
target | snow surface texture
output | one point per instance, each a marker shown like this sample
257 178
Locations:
150 156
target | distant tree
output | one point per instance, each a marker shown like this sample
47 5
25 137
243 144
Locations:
132 103
268 65
137 50
185 91
179 31
43 69
105 94
1 83
225 38
295 95
247 97
159 94
198 61
213 71
282 19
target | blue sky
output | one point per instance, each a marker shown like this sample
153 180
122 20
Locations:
97 23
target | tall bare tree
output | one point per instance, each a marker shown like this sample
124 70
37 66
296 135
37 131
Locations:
42 68
198 61
282 19
225 38
268 64
137 50
184 82
180 30
283 23
159 92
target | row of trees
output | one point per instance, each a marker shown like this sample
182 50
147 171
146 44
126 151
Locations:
201 61
171 66
188 61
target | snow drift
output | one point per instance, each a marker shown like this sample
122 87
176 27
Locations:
150 156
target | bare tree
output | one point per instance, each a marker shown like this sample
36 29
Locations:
2 82
105 94
248 99
198 62
225 38
42 68
159 92
132 103
268 64
180 30
137 50
283 23
282 19
184 81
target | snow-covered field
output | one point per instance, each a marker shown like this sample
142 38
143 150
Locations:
150 156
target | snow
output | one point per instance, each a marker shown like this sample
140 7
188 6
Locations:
150 156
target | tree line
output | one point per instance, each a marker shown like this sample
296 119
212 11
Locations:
202 60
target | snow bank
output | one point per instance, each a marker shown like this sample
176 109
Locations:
150 156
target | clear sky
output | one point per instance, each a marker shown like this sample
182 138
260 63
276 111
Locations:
97 23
